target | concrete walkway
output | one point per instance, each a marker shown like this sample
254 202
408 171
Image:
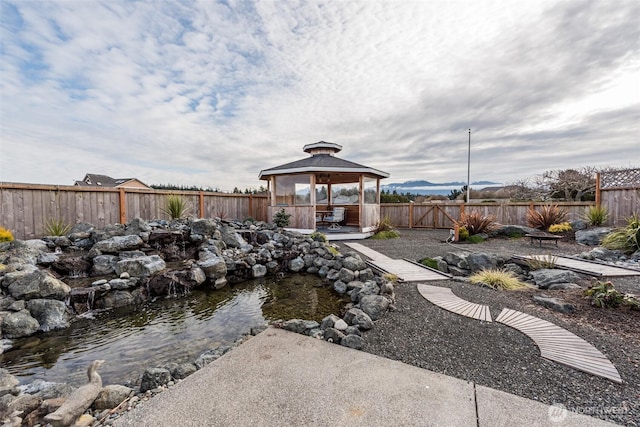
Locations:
280 378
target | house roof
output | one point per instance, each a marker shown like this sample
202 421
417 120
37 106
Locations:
96 180
321 162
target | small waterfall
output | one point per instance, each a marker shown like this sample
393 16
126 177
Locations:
77 274
90 299
171 290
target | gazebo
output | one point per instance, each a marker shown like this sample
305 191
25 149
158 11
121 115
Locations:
311 188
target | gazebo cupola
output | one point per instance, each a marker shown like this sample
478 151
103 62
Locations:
308 187
322 147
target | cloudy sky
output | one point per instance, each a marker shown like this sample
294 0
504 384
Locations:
208 93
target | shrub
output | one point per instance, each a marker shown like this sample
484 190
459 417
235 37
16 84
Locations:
385 224
475 222
560 228
463 233
596 215
176 207
497 279
56 227
539 262
5 235
388 234
333 250
604 294
318 237
625 239
429 262
385 229
281 218
546 217
476 238
390 277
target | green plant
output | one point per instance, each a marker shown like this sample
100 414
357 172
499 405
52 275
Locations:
176 207
390 277
388 234
475 222
221 214
385 224
463 233
596 215
429 262
333 250
604 294
627 238
631 301
281 218
476 238
5 235
560 228
497 279
318 237
546 217
56 227
539 262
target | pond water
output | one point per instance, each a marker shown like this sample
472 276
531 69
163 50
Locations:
171 330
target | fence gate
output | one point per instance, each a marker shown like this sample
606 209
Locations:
433 216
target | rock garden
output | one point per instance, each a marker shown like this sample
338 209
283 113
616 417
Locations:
49 283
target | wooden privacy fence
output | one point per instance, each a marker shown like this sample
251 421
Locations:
619 192
25 208
442 215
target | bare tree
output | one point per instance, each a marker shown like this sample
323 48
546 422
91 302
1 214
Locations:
522 190
569 184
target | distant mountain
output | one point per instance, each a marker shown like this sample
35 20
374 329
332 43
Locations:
454 184
433 188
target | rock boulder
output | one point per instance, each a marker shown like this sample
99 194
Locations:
117 244
154 378
547 277
592 236
50 314
19 324
37 284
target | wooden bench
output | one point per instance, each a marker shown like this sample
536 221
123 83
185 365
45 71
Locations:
543 236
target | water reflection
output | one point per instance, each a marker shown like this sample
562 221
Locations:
175 330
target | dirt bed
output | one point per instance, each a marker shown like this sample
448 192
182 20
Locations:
495 355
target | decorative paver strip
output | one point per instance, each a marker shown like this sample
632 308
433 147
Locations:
560 345
407 271
404 270
368 252
586 267
446 299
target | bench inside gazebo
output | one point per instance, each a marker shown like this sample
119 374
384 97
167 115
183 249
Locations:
312 188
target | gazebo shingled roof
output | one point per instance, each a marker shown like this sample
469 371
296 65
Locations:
321 161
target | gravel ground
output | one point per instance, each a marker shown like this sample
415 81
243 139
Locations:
495 355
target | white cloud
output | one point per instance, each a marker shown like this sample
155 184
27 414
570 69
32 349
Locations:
207 93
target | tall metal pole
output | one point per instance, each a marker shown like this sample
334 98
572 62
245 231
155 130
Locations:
469 169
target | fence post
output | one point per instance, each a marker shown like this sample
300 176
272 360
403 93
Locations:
410 215
251 206
201 204
598 199
123 207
